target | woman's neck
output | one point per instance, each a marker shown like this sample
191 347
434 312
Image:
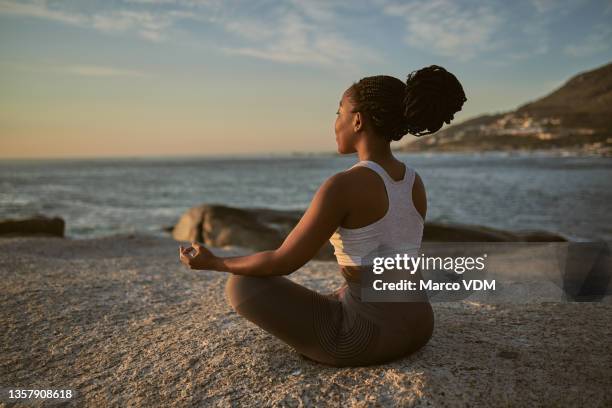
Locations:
375 150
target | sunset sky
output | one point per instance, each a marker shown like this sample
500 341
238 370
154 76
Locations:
188 77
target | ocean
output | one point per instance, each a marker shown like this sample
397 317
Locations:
571 195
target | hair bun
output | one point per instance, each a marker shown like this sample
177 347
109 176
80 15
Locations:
433 96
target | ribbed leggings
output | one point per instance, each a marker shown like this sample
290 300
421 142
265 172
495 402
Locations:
321 327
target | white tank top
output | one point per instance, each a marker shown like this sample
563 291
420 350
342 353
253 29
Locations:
400 230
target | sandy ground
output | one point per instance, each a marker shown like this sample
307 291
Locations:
122 323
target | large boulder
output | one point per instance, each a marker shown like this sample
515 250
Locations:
36 225
259 229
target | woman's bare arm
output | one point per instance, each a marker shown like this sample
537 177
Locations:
318 223
419 196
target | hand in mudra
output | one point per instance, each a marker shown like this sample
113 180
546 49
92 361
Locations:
196 256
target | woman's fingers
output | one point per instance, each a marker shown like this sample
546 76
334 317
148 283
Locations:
196 247
185 251
185 259
189 255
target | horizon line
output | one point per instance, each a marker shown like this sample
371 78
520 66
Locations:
172 156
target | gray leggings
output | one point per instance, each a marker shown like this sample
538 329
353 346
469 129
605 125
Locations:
321 327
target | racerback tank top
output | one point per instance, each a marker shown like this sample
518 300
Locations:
400 230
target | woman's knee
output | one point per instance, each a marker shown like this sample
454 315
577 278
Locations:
233 289
240 288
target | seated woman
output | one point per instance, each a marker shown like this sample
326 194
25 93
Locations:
378 201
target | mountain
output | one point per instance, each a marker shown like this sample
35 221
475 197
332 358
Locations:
575 117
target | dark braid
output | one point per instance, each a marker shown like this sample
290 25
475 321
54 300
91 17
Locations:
430 98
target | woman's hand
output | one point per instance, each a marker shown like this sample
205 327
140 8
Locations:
197 256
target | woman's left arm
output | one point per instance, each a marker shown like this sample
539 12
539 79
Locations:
321 219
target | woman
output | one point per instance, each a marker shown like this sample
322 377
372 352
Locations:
378 201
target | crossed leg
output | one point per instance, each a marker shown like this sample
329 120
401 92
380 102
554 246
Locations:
281 307
320 327
315 325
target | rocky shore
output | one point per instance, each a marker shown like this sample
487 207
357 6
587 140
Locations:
122 323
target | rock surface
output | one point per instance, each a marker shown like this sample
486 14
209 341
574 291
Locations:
122 323
438 232
37 225
259 229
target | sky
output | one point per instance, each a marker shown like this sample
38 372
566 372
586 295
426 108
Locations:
140 78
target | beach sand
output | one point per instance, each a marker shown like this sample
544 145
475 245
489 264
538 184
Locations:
121 322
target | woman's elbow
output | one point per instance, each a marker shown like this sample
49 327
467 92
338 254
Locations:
284 264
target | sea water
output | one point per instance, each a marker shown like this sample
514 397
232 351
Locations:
100 197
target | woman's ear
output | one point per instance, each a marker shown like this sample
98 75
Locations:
357 122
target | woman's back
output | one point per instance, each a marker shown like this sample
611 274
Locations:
408 323
399 229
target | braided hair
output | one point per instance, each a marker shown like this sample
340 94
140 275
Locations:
430 97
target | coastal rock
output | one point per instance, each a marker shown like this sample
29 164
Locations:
189 226
36 225
438 232
259 229
540 236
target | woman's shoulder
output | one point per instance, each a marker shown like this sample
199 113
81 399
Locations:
359 172
353 182
356 175
347 180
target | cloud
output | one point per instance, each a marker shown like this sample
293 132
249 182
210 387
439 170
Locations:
322 32
446 27
596 42
295 37
538 49
151 1
559 7
297 32
150 25
76 69
249 29
301 32
39 9
100 71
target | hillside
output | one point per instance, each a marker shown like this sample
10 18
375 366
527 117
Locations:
576 117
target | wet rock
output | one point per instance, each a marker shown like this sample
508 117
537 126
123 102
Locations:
259 229
36 225
439 232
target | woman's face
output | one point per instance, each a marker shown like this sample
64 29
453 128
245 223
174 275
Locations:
345 126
